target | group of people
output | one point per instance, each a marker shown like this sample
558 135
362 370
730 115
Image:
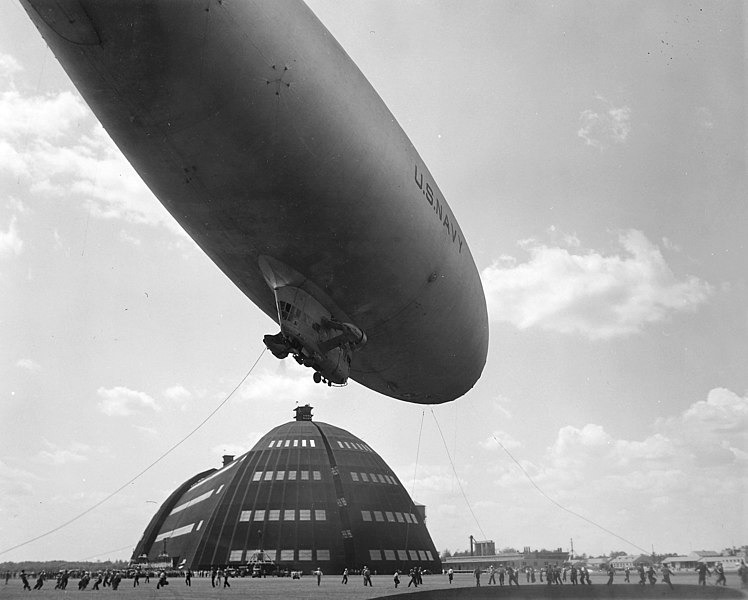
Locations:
101 578
107 578
216 575
415 574
554 575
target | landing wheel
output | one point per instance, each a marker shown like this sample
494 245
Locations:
317 377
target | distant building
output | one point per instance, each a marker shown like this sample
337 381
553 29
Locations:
708 557
630 561
680 563
518 560
598 563
307 495
730 563
484 548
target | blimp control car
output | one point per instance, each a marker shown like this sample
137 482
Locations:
262 138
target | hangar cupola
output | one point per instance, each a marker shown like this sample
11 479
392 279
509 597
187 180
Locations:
303 413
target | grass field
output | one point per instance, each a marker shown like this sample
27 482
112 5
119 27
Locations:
435 586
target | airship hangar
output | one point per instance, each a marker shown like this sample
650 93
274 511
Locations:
307 495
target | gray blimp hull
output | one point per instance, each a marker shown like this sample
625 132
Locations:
262 138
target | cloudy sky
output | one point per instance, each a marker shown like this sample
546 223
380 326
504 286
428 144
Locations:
595 156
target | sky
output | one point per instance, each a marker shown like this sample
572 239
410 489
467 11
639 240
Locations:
594 154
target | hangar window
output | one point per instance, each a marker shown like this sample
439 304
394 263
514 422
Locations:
292 475
289 514
236 556
400 517
320 515
421 555
303 443
354 476
305 555
245 515
402 555
366 515
364 477
259 515
323 555
280 475
413 554
407 517
274 515
305 475
340 443
347 445
199 525
412 516
429 556
379 516
287 444
271 444
373 477
389 480
268 475
312 444
296 443
286 555
389 555
390 517
375 554
257 476
305 515
382 479
316 475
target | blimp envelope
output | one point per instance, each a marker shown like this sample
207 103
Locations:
262 138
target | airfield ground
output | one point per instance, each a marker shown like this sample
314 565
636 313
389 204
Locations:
435 587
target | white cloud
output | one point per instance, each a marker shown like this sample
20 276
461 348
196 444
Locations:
28 364
122 402
178 394
151 431
56 455
282 387
130 239
690 470
701 449
53 144
588 293
15 484
423 478
604 124
10 241
9 66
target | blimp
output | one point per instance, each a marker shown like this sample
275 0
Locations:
257 132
